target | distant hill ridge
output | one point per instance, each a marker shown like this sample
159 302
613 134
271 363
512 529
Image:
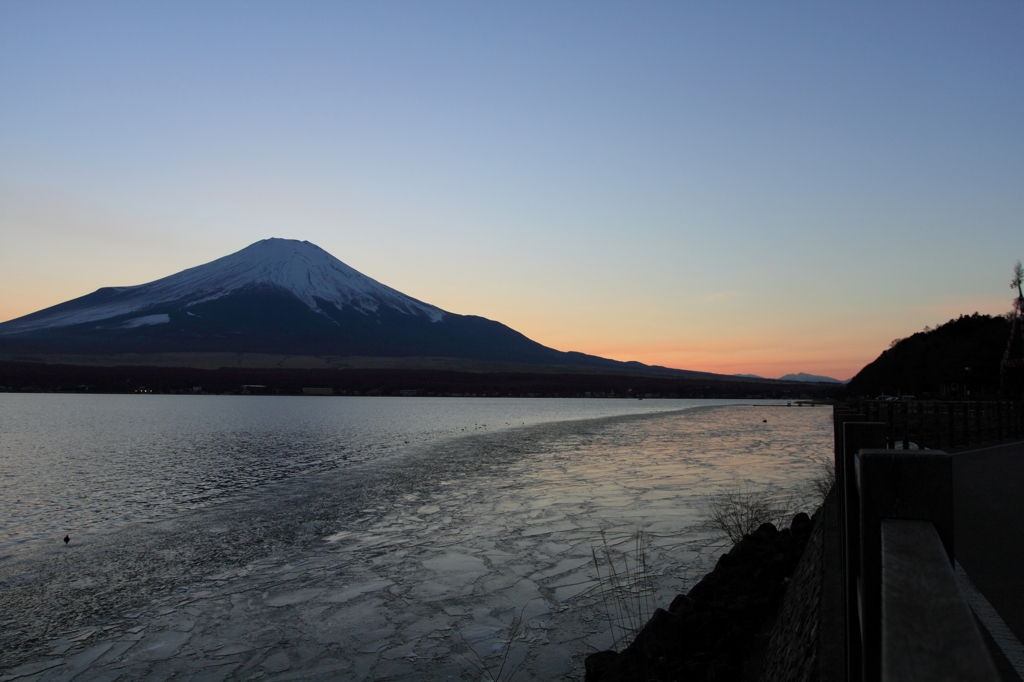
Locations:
809 378
799 376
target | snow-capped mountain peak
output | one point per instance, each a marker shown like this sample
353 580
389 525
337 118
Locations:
303 269
298 267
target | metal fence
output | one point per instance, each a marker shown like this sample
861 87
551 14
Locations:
938 424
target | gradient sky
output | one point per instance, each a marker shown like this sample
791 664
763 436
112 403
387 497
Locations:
745 187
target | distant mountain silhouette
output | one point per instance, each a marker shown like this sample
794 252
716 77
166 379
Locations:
809 378
801 377
961 355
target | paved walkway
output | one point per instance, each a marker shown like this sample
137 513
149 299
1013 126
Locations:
989 510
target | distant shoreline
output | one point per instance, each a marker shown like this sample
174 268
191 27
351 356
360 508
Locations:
71 378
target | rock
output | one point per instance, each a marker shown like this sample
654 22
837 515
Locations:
597 664
801 524
680 604
708 633
720 671
792 652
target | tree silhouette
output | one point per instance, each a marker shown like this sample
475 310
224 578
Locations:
1015 283
1013 357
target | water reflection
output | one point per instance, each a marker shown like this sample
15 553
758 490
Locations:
391 568
77 463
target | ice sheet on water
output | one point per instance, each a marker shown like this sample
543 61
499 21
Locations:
460 578
118 460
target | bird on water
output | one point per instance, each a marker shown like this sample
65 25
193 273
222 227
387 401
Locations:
67 539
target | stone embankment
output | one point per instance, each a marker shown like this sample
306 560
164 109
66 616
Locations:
719 630
793 650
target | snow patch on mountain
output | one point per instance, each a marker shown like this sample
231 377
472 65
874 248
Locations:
303 269
146 321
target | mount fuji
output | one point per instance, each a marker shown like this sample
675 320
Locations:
280 297
301 270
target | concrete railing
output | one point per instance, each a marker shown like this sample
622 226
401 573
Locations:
904 616
923 611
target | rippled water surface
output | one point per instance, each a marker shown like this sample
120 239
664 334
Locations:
79 463
408 560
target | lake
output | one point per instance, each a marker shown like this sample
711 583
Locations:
358 538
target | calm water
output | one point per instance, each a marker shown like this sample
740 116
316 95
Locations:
77 464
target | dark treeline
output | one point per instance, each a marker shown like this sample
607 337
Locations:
19 376
959 358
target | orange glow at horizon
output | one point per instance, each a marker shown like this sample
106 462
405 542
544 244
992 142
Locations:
807 347
717 333
742 359
718 350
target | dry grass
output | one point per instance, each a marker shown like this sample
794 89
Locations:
627 591
824 478
482 667
738 511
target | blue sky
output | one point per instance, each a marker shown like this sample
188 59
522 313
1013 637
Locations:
739 188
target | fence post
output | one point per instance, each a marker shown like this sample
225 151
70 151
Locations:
890 425
841 418
952 425
967 423
909 485
856 436
924 435
906 426
979 421
933 436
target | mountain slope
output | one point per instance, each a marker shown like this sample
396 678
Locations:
279 297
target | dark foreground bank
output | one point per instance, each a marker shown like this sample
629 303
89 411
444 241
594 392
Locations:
720 629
